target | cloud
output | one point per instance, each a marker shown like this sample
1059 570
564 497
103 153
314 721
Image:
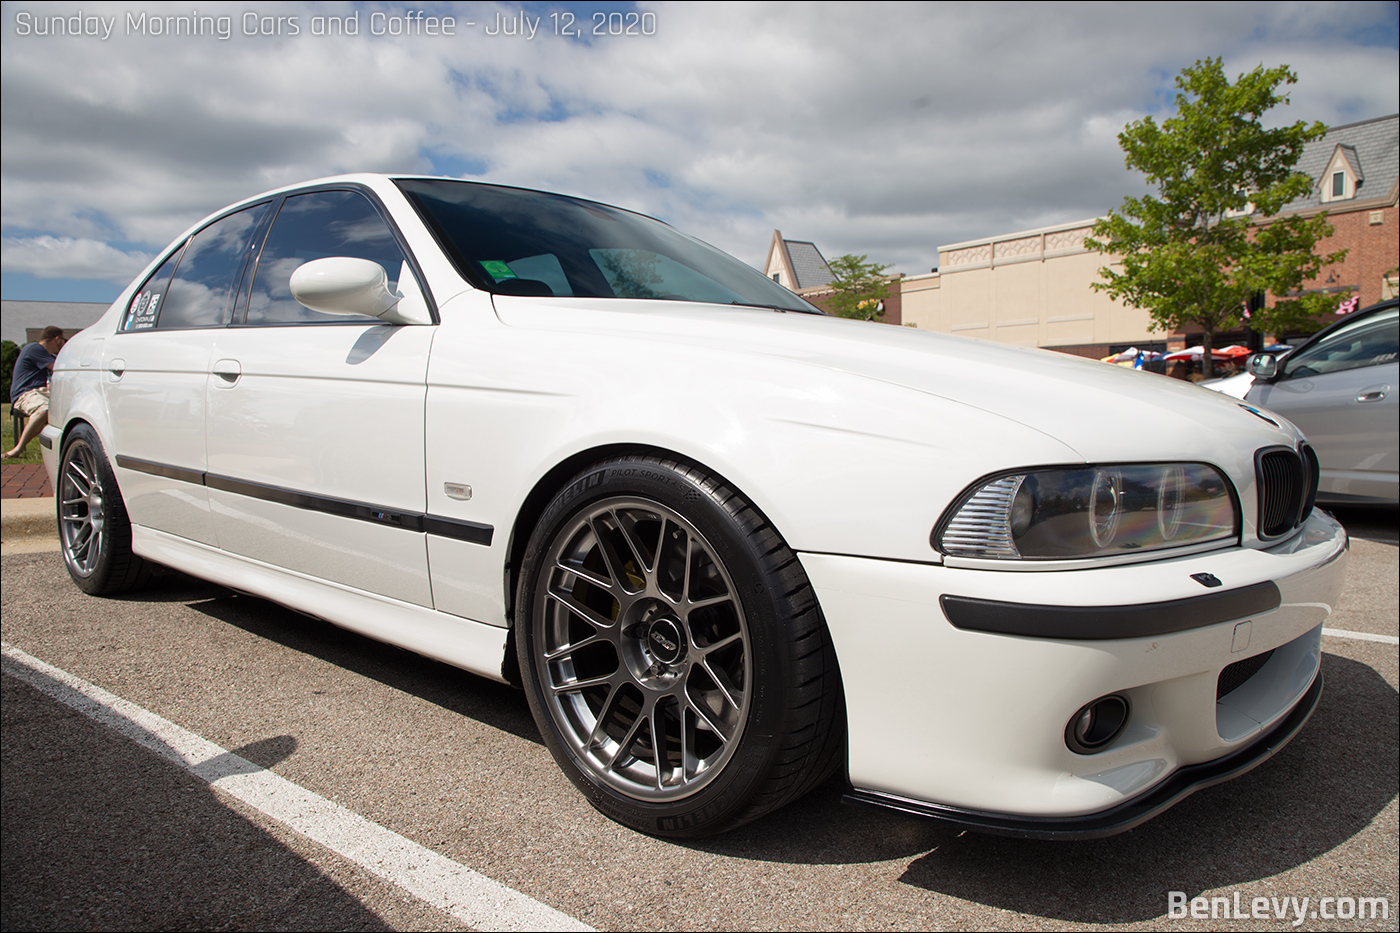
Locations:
872 128
49 257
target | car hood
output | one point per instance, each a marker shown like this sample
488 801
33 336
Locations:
1089 406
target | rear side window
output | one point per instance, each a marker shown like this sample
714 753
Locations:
202 290
195 287
315 226
145 307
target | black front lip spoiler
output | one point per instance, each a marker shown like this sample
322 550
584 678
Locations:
1124 816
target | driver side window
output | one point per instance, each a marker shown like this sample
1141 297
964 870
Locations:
315 226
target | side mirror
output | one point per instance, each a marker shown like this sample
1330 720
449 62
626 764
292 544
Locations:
1262 365
342 285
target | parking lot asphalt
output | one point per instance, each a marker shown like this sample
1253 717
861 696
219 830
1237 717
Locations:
100 833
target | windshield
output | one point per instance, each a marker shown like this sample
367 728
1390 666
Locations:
518 242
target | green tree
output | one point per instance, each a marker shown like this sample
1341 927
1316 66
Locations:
1191 255
9 352
860 287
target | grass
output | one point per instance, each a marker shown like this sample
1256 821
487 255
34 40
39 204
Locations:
31 453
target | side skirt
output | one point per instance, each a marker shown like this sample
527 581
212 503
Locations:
472 646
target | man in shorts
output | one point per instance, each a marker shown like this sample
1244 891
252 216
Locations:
30 385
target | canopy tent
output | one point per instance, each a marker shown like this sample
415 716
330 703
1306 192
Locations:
1195 353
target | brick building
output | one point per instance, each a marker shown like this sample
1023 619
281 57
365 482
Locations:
1355 169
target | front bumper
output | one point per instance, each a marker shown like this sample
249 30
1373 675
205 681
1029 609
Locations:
1185 782
969 725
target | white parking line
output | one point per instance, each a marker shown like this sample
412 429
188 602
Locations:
435 879
1361 636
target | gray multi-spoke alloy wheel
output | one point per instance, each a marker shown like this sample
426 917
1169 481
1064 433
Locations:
93 530
643 648
652 598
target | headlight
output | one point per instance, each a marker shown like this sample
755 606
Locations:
1092 511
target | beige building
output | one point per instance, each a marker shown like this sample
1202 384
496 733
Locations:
1029 288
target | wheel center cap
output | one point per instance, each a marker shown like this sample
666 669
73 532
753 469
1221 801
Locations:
665 641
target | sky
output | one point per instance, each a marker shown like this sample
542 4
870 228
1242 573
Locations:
883 130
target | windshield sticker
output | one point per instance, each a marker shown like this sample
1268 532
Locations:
498 270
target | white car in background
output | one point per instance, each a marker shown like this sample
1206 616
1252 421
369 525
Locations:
1235 386
726 544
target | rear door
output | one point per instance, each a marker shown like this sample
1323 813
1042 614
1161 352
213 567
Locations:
155 369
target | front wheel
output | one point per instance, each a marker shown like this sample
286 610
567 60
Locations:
673 653
94 532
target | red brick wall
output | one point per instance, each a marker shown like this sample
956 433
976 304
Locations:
1372 251
893 297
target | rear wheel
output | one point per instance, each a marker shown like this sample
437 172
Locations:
673 652
93 529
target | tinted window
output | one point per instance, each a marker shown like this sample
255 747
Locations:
1371 341
208 274
315 226
522 242
141 313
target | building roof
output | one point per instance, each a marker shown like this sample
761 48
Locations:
799 261
18 317
1372 150
807 264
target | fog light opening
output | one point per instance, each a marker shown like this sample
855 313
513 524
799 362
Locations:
1097 724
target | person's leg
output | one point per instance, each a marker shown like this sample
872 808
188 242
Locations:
38 412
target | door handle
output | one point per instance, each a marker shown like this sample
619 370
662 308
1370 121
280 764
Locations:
1373 393
227 372
116 368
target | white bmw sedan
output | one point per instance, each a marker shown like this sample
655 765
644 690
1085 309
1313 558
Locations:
726 544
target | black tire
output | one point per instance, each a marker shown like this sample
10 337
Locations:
656 602
94 532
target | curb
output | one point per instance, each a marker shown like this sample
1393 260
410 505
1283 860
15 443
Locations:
27 518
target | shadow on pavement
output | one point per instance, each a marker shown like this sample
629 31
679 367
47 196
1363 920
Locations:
1371 522
486 701
139 844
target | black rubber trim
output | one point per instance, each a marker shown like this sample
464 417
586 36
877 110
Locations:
346 508
161 469
45 442
1094 623
472 532
1124 816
